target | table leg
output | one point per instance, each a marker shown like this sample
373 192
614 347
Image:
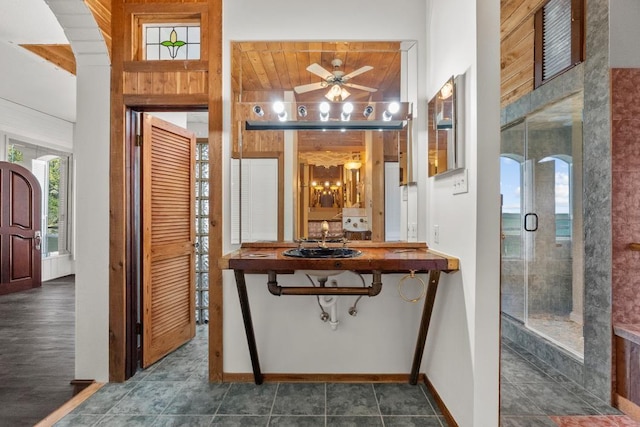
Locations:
248 325
434 276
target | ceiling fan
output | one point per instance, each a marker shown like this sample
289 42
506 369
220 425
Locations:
335 80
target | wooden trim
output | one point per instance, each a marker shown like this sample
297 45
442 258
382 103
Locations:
578 19
216 161
182 101
79 385
377 185
627 406
69 406
117 206
451 422
58 54
319 378
164 66
537 49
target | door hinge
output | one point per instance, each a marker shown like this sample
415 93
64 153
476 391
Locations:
138 328
138 140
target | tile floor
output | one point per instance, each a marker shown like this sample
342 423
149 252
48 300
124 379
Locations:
175 391
533 394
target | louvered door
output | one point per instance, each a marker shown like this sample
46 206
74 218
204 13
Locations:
168 236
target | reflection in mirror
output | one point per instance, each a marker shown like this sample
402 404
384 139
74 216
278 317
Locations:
336 151
445 131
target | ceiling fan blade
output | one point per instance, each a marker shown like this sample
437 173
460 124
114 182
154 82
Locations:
355 86
357 72
319 71
309 87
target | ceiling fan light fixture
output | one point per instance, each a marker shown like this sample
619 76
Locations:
337 93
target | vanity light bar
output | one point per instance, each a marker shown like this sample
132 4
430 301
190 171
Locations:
328 125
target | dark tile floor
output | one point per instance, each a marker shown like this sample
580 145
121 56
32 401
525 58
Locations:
533 394
36 365
175 391
36 351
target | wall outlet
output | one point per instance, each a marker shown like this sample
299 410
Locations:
436 234
461 182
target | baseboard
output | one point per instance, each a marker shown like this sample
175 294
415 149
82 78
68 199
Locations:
317 378
451 422
70 405
627 406
79 385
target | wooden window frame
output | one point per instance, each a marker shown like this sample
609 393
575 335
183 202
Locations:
577 41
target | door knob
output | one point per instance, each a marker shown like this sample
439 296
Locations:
38 239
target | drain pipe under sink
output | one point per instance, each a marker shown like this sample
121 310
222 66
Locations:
329 302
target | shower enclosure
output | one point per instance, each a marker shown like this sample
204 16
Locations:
542 245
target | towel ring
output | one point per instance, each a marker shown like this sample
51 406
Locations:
412 275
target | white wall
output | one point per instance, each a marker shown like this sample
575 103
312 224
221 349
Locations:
91 155
463 366
26 124
462 354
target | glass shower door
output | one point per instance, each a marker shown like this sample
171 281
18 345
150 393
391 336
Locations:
552 224
512 274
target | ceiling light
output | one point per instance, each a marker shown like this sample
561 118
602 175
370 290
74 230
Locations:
324 111
337 93
278 107
325 107
354 163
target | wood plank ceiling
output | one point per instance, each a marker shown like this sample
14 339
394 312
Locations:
281 66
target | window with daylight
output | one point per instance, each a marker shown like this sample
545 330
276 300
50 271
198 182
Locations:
559 35
171 41
51 168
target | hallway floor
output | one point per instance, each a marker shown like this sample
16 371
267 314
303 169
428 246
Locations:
36 365
36 351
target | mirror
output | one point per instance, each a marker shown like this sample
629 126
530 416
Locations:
307 150
445 131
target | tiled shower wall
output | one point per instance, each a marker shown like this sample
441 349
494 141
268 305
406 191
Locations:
625 215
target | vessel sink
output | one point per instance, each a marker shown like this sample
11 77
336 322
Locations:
322 252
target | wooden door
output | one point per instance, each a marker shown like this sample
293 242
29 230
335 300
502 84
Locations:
20 234
168 238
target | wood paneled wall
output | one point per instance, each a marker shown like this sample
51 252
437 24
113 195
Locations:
160 85
516 48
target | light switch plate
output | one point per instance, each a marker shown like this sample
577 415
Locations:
461 182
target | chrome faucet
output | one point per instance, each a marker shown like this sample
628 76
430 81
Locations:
325 231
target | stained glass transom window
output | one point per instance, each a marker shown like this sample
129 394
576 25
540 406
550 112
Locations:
171 42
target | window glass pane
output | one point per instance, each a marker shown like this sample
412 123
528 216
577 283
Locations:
51 168
171 41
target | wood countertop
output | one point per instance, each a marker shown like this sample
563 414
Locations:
385 257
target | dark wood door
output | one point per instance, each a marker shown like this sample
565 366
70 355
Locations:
168 238
20 234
